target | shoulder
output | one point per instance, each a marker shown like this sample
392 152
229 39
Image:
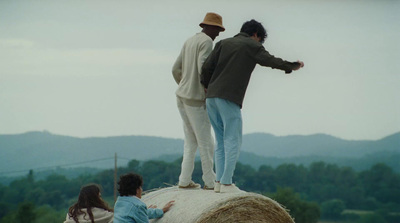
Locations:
101 212
247 44
68 219
124 201
246 39
200 39
204 39
129 206
131 200
101 215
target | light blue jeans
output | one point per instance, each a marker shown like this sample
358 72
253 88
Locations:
226 120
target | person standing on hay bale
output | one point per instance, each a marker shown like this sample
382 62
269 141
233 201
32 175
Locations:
226 74
90 207
191 102
129 208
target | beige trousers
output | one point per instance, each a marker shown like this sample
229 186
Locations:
197 129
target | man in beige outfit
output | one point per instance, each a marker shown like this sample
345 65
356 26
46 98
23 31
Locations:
191 102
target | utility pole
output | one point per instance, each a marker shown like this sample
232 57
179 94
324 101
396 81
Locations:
115 178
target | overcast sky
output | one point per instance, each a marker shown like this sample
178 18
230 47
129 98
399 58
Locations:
103 68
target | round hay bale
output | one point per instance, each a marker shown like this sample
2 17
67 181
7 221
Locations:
204 206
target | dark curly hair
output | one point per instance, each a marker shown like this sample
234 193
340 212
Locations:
89 197
252 26
129 183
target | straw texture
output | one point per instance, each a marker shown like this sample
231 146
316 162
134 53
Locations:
205 206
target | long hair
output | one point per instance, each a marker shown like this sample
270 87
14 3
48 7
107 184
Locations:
89 197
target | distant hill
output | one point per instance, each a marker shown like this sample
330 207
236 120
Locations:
43 149
316 145
39 150
363 163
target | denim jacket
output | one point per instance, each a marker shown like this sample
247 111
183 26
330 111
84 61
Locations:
130 209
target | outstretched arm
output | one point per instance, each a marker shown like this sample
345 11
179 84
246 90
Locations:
154 212
264 58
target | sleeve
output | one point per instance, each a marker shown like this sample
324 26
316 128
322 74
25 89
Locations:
139 214
177 68
155 213
204 51
209 65
264 58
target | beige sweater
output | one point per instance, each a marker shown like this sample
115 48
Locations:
187 68
99 215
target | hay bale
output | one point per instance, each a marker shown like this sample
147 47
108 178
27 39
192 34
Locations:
204 206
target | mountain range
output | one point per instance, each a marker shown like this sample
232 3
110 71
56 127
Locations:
44 150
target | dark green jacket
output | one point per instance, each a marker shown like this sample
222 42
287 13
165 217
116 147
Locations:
226 72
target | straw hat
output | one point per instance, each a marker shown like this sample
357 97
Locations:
212 19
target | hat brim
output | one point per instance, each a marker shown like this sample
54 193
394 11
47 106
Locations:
212 24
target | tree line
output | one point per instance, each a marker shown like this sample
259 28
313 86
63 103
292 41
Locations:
314 192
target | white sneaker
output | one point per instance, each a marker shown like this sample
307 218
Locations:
217 187
208 188
229 189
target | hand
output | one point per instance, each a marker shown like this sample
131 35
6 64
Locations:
168 206
301 65
152 206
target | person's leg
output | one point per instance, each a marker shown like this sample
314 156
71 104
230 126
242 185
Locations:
189 148
202 129
232 120
218 127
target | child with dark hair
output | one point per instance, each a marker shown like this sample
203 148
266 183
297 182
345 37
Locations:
90 207
129 208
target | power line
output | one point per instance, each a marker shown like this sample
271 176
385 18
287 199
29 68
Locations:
50 167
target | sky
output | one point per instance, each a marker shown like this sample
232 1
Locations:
103 68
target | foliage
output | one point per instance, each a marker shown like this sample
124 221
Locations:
307 192
49 215
26 213
372 218
302 211
332 209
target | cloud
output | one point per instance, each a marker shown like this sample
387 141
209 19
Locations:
80 62
16 43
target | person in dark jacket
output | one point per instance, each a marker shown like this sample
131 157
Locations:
225 76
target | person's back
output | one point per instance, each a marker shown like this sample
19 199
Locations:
190 87
234 67
99 216
131 209
225 75
237 58
90 207
190 99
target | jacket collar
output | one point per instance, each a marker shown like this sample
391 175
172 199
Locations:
242 34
